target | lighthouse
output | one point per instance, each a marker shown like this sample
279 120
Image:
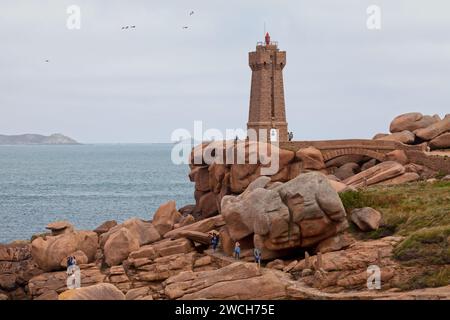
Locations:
267 106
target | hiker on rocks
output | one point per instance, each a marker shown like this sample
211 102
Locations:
215 241
69 261
257 254
237 250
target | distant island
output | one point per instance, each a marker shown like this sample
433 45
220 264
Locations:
36 139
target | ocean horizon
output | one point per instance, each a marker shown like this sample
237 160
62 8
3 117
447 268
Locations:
86 184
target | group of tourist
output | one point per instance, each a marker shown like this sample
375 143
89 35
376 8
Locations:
237 249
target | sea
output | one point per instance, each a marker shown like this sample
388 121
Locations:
85 185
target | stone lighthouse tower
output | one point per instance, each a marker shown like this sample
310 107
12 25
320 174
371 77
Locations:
267 109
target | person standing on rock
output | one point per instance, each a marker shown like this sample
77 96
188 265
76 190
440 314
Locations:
69 261
214 241
257 254
237 250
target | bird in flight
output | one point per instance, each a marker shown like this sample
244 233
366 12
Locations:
185 27
191 13
47 61
132 27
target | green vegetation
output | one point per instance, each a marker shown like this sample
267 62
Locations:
428 279
426 246
405 208
440 175
421 213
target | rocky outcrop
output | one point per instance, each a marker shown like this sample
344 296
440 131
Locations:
119 245
380 172
142 293
201 226
299 291
125 238
102 291
367 219
336 243
16 268
347 269
341 160
60 227
49 285
416 128
299 213
397 156
440 142
160 268
412 121
347 170
405 136
434 130
401 179
238 281
105 227
51 251
166 217
245 160
311 159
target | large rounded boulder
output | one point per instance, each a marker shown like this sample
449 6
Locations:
165 217
412 121
125 238
50 251
101 291
298 213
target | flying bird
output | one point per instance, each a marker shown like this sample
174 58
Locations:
185 27
47 61
191 13
133 27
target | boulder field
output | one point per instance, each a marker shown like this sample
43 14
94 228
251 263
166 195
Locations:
294 216
299 226
215 176
414 128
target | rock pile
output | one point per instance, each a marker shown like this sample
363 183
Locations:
288 215
215 176
416 128
297 214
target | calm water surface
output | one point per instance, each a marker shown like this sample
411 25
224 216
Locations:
85 184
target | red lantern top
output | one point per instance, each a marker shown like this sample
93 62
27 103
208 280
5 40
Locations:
267 38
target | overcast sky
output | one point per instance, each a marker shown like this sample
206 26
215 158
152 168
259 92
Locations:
103 84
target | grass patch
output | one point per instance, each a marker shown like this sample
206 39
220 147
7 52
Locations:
426 246
405 208
428 279
420 212
440 175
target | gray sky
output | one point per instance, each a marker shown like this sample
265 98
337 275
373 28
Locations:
107 85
